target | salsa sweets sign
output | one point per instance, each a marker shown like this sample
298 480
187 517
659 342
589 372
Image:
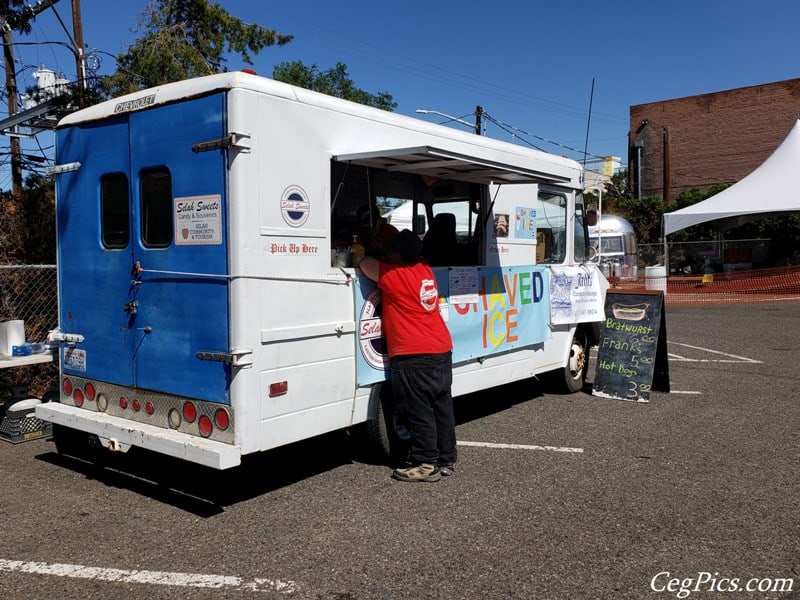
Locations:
487 310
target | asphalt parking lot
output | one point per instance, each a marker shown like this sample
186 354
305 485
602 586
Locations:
694 494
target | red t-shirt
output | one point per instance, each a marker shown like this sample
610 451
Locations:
410 303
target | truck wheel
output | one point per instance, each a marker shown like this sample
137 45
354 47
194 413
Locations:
572 376
386 431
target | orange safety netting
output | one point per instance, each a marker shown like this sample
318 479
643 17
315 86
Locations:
758 285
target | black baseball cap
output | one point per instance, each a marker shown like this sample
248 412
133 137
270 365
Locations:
407 244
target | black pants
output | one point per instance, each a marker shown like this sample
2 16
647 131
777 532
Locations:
421 388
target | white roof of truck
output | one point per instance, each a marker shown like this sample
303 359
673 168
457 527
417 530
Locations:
500 162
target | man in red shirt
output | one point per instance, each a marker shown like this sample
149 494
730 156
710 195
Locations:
420 353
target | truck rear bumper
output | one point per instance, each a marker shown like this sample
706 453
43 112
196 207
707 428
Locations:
127 433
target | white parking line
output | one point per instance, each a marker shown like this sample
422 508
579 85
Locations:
519 446
191 580
730 357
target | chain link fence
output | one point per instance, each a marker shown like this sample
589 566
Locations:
30 293
714 256
713 272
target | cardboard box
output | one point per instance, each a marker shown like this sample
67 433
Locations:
12 333
543 240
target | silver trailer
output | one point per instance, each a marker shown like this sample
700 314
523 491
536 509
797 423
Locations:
615 241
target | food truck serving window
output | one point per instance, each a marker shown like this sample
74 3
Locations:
156 207
115 225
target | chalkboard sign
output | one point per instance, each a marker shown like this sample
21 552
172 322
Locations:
632 353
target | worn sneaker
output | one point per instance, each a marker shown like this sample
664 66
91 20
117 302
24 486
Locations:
424 472
447 470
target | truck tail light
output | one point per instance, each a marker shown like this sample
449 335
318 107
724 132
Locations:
278 388
205 426
222 418
189 412
78 398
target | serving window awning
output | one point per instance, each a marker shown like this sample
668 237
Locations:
425 160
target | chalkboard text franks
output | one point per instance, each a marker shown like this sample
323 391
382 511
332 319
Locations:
627 327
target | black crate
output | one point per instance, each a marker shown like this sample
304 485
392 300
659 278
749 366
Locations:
20 424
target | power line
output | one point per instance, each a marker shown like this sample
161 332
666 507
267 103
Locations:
374 53
512 129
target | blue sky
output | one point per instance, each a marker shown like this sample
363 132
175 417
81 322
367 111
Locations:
530 64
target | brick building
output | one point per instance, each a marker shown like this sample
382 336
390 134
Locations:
699 141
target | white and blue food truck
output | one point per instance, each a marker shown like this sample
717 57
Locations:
205 310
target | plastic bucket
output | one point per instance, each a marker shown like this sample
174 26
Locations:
655 278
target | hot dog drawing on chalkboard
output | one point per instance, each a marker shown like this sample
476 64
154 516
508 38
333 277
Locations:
630 312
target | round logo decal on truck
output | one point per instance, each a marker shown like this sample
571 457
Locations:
370 334
295 206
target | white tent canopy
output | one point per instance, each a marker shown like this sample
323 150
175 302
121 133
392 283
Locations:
774 187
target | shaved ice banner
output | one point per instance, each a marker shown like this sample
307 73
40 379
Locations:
488 310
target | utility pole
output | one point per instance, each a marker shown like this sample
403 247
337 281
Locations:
478 119
77 44
11 92
667 185
80 63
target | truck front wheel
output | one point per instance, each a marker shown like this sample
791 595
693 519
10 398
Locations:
572 376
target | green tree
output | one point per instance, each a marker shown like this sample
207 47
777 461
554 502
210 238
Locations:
334 82
27 223
17 14
183 39
646 214
703 231
784 233
643 214
617 186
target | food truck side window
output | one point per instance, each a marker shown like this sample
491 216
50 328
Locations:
551 222
156 208
115 220
581 241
